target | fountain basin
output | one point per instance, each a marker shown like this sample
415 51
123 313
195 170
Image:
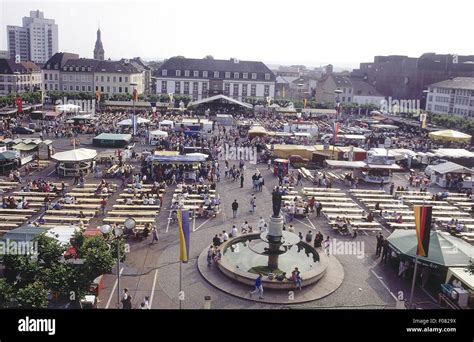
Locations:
243 257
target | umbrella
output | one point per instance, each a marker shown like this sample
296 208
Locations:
128 122
75 155
450 135
444 250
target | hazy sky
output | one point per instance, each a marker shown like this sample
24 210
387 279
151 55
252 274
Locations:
343 32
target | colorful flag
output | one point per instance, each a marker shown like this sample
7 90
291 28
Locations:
423 229
423 120
135 95
184 235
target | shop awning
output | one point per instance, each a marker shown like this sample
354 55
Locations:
450 167
346 164
383 167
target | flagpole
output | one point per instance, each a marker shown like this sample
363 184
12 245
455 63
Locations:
413 282
180 283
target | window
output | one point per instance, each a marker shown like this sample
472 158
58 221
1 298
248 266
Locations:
56 87
196 73
164 86
254 76
267 77
83 88
244 90
102 78
77 88
164 72
204 74
186 87
46 77
120 89
245 75
77 68
108 89
349 99
114 89
83 68
89 88
227 74
178 73
236 90
343 99
186 73
266 90
126 79
349 91
236 75
108 78
101 89
55 77
204 88
120 79
126 89
177 87
253 90
195 87
227 89
216 74
65 87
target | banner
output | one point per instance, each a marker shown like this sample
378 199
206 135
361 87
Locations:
184 235
19 104
423 229
337 126
423 120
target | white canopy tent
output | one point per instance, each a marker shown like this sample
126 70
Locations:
128 122
155 136
67 108
77 155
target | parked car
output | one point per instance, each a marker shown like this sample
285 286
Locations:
22 130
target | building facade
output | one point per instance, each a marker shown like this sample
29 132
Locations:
405 78
36 40
201 78
453 96
118 77
330 83
51 70
19 77
77 75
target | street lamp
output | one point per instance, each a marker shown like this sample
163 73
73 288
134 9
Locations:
117 232
134 97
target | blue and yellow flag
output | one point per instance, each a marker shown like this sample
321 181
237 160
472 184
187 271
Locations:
423 229
184 235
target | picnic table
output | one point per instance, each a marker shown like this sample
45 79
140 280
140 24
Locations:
137 207
13 218
85 194
81 206
122 219
34 193
459 199
350 217
339 204
10 225
133 195
356 195
321 189
328 194
9 183
461 219
450 213
55 218
342 210
333 199
426 202
17 211
89 213
136 213
88 200
381 200
404 225
388 205
394 219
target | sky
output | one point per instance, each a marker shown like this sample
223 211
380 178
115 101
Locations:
309 32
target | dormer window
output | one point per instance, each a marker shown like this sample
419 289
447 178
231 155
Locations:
254 76
196 73
164 72
186 73
236 75
178 73
83 69
267 77
245 75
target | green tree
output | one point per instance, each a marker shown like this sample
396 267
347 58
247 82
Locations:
6 293
33 296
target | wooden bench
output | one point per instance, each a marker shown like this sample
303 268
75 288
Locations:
65 219
326 194
34 193
321 189
13 218
350 217
9 225
85 194
341 210
367 191
339 204
402 225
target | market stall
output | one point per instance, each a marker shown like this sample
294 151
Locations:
70 162
112 140
155 136
451 175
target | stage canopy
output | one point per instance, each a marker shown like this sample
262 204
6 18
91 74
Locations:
220 98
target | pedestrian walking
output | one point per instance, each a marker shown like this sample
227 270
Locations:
319 207
258 287
242 180
327 245
154 235
379 245
235 207
385 251
126 300
103 205
210 255
392 186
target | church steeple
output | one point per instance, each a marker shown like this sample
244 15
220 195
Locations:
99 49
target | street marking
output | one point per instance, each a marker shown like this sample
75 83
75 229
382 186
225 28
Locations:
153 289
202 224
307 225
383 283
311 223
113 291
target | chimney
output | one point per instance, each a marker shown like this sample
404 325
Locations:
328 69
